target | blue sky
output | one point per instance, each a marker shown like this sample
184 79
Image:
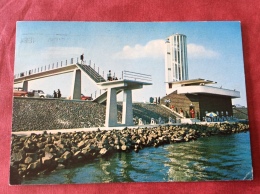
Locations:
214 52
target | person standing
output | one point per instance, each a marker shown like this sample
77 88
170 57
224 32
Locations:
58 93
109 76
192 113
82 58
54 94
181 112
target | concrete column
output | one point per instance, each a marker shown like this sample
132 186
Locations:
111 108
76 84
25 85
127 115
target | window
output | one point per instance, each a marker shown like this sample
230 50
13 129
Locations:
170 85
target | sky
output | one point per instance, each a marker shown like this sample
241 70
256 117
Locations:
214 52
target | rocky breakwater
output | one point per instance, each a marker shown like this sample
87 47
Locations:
43 153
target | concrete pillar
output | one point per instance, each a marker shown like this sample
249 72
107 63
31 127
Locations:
25 85
111 108
76 84
127 115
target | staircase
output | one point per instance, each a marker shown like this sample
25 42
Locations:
176 114
91 73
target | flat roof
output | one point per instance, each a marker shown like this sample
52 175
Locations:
197 81
196 89
122 83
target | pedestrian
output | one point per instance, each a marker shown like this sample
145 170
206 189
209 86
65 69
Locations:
109 76
58 93
192 113
54 94
181 112
82 58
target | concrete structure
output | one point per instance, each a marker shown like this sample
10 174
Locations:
197 94
33 75
176 63
76 69
112 88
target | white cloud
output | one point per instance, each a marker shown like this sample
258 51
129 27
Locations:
153 49
199 51
156 49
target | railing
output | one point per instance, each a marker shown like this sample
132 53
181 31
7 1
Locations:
136 76
97 93
44 68
92 73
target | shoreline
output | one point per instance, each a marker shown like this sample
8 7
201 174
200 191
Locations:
44 152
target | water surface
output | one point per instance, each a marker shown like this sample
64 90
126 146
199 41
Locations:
225 157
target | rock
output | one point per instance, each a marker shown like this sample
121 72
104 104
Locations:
81 144
34 166
66 155
46 152
103 151
18 157
123 147
47 159
77 154
40 145
60 166
28 160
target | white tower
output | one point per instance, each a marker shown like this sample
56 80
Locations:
176 63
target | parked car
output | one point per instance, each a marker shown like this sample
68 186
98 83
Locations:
19 92
85 97
36 94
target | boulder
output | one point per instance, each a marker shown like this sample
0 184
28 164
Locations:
18 157
34 166
60 166
28 160
47 159
81 144
66 155
124 147
103 151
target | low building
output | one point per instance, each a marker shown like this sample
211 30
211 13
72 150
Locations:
199 95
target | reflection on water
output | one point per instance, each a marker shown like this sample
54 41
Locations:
214 158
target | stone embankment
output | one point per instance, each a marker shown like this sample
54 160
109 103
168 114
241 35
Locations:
42 153
31 114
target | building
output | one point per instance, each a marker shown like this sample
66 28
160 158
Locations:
184 94
176 63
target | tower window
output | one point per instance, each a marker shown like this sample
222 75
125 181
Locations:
170 85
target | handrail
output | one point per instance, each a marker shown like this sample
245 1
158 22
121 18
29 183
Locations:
137 76
92 73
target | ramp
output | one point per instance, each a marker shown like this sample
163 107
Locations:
91 73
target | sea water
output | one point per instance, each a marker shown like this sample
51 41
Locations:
224 157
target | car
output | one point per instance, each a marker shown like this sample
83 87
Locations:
83 97
19 92
37 94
